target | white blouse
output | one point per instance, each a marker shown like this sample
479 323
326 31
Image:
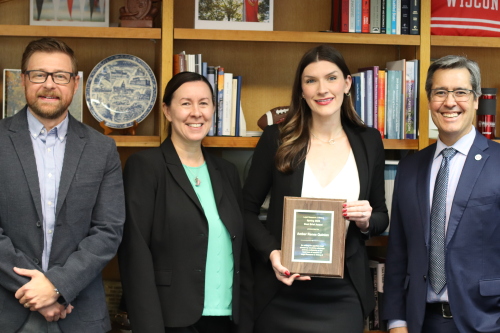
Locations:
344 186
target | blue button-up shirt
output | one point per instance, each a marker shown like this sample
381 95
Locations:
49 150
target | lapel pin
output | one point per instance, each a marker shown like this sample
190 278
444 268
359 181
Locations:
478 157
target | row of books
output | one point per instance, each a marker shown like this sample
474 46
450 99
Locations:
396 17
228 118
374 320
387 99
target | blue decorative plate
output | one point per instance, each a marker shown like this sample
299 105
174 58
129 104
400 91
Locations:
121 89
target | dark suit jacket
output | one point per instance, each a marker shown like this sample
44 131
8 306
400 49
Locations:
89 220
472 241
264 177
163 253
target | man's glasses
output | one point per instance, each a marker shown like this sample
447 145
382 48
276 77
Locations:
57 77
460 95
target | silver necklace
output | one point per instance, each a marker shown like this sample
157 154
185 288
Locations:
197 180
331 141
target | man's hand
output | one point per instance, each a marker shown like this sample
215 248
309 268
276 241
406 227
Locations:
55 311
399 330
38 293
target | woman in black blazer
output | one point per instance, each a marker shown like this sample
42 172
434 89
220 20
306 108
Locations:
184 263
322 149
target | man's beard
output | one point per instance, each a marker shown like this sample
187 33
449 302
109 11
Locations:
42 112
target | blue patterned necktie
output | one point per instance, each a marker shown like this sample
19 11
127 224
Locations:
438 221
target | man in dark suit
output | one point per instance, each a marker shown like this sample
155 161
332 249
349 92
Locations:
442 269
61 204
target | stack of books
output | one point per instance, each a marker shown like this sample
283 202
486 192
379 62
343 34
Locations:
396 17
228 119
387 99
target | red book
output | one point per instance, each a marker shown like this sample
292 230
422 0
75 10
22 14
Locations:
365 16
344 16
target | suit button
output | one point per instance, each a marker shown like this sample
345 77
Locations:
202 235
425 277
36 261
237 272
38 224
234 237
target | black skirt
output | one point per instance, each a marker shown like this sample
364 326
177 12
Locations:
322 305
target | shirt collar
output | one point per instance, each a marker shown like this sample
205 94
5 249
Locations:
36 128
462 145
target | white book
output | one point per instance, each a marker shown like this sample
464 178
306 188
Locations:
352 15
243 123
227 100
233 107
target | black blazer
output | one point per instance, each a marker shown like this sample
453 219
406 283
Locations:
264 238
163 254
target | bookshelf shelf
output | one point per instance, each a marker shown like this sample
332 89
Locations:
136 140
465 41
12 30
251 142
294 37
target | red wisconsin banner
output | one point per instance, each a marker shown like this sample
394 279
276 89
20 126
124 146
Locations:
465 18
252 10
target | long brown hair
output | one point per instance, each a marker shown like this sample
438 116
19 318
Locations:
295 130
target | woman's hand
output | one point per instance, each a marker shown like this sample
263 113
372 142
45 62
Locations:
282 273
358 212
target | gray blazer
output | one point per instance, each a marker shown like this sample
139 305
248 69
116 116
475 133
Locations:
89 221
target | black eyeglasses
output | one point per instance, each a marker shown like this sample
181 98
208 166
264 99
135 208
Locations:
41 76
460 95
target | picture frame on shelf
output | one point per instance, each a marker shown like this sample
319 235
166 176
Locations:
79 13
14 99
243 15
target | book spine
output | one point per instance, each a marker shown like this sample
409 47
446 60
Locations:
391 113
415 17
375 97
399 109
394 13
220 100
336 22
211 79
405 17
381 103
358 14
369 97
357 94
352 15
382 16
176 64
233 106
365 16
344 16
204 69
228 91
375 16
238 104
410 98
398 17
362 96
388 17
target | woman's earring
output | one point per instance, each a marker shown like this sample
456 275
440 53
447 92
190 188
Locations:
348 94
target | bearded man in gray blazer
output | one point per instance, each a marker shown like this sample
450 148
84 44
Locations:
61 204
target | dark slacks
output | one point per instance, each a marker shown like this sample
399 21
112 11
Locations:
207 324
36 323
436 323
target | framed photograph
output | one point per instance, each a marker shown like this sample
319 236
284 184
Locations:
234 14
79 13
14 99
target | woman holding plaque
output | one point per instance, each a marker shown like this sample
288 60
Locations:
184 263
321 150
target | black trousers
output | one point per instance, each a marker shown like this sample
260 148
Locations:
206 324
436 323
36 323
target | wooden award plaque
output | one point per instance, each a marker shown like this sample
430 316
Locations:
313 239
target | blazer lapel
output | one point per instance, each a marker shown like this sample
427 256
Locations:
468 178
75 143
423 187
174 166
21 140
215 178
359 151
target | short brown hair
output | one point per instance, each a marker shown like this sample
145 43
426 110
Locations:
48 45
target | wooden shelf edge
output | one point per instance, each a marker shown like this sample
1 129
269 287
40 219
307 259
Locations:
377 241
295 37
251 142
465 41
400 144
230 142
136 140
80 32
